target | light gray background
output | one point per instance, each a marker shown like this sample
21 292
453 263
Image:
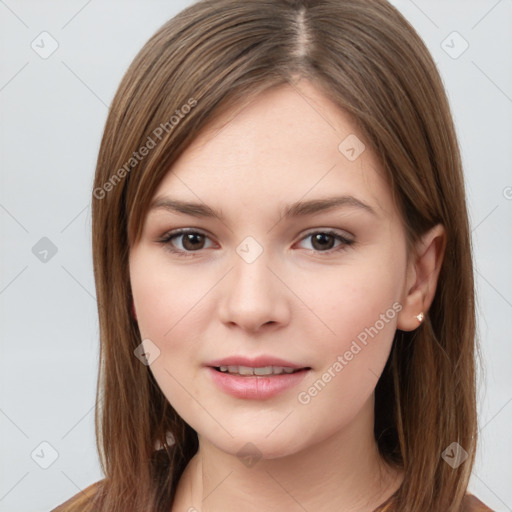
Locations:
52 116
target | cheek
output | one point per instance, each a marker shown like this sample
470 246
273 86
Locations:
173 308
358 305
163 299
166 304
354 297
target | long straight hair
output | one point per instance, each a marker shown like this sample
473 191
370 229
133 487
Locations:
212 59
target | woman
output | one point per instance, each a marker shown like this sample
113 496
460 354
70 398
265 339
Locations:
283 266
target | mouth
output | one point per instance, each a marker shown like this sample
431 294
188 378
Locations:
256 382
262 371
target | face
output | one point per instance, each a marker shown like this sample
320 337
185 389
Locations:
319 288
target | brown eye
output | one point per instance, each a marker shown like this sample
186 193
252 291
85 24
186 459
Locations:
321 241
184 242
192 241
325 241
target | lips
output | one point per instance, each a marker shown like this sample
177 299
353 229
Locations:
256 362
249 371
256 378
256 387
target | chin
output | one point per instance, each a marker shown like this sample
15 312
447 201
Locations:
259 446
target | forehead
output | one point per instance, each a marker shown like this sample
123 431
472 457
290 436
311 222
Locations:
291 142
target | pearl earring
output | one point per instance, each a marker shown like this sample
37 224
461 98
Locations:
420 317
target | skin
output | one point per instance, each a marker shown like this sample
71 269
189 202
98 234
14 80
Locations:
301 301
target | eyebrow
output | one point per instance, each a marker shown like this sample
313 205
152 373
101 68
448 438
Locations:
297 209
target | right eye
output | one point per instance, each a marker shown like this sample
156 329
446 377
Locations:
190 240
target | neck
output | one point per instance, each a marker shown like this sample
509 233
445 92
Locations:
343 472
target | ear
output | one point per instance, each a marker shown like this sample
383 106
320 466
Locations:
422 274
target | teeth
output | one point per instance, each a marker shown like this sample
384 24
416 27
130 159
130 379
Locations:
265 370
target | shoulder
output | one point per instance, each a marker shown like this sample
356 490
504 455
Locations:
82 501
471 503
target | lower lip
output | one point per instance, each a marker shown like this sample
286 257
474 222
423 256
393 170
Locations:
256 387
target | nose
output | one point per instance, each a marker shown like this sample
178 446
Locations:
253 296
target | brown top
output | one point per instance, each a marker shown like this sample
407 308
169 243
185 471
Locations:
471 503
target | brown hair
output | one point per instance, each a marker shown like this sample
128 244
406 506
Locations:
216 56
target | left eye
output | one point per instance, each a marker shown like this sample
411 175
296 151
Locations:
194 241
322 241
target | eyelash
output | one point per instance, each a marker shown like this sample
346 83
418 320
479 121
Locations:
168 237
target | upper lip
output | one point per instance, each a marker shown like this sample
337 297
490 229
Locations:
256 362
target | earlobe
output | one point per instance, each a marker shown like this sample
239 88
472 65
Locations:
422 276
